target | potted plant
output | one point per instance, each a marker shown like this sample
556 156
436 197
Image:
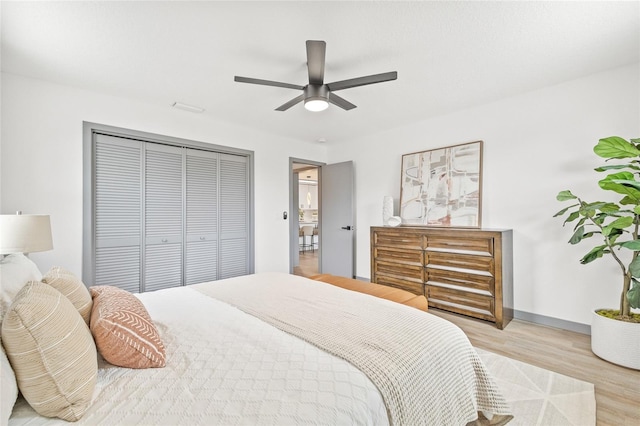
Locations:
615 226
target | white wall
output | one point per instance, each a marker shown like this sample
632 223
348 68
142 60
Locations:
535 145
41 163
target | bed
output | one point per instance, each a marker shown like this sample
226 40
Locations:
274 348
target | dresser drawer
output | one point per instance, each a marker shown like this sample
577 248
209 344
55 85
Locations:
404 271
411 286
466 303
471 245
407 257
397 239
480 284
460 262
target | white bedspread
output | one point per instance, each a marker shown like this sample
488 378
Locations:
226 367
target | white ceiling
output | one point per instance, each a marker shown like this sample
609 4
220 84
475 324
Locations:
449 55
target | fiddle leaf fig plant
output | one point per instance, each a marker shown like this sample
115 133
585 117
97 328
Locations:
615 225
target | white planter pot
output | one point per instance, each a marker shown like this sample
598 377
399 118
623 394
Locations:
616 341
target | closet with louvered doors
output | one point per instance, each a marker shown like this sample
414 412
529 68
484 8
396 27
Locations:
166 216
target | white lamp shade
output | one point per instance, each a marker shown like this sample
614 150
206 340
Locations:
25 233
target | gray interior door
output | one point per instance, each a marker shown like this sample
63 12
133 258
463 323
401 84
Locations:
163 217
337 220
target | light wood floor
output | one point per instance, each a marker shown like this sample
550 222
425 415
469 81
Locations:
565 352
308 264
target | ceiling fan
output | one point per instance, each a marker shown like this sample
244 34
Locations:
317 94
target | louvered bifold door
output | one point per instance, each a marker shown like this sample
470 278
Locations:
234 216
163 216
201 253
117 212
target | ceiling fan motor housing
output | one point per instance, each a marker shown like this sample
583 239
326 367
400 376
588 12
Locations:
316 92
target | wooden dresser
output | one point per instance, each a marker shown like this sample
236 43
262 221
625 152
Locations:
467 271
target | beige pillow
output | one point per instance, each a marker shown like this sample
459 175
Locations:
74 289
123 330
51 352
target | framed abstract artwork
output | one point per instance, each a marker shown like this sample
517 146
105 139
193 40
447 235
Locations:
442 187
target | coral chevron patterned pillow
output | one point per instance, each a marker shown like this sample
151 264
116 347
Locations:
123 330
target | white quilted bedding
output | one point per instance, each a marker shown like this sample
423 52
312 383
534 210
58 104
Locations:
228 367
225 367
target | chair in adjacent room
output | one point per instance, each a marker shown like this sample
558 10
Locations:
307 231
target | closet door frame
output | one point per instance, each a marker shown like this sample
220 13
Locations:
88 191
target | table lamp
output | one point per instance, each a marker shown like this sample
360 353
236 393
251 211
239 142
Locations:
26 233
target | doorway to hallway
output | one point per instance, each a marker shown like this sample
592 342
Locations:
333 247
305 216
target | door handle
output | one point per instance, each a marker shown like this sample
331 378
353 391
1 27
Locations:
348 228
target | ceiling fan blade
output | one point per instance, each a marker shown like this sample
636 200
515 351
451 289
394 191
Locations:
362 81
291 103
267 82
341 102
315 60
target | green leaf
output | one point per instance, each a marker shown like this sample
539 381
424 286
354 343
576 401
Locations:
613 237
636 141
619 175
588 209
633 295
634 267
563 211
573 216
633 183
565 195
610 208
619 182
631 245
636 210
628 200
615 147
619 223
622 222
616 167
610 231
595 253
577 236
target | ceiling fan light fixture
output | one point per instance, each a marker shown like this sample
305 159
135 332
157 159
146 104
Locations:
316 105
316 97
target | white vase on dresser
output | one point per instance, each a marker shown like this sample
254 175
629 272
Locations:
387 209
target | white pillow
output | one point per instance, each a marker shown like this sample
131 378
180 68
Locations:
16 270
8 388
